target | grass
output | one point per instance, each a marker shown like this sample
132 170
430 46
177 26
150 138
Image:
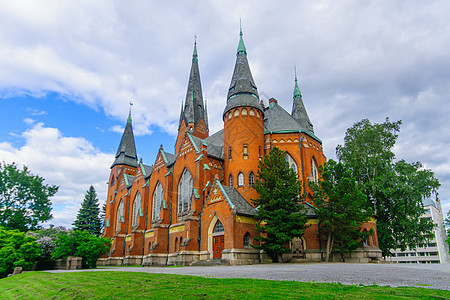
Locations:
134 285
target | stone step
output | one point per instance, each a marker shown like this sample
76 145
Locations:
212 262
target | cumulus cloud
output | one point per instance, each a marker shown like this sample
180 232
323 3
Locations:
354 60
72 163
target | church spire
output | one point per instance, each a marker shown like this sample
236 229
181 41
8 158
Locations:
193 105
126 154
243 90
298 109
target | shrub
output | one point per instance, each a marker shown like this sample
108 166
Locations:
17 250
82 244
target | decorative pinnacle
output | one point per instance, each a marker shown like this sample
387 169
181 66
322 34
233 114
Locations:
297 92
129 113
241 46
195 56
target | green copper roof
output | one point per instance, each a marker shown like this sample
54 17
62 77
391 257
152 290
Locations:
297 92
241 46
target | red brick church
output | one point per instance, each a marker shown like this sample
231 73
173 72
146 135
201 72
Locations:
195 204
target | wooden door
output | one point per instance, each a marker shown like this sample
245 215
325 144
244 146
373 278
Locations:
218 245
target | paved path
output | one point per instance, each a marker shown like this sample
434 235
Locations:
436 276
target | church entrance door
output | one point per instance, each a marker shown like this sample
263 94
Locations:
218 244
218 240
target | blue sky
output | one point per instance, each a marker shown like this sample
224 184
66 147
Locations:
68 71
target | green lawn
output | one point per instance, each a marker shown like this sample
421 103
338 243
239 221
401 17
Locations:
133 285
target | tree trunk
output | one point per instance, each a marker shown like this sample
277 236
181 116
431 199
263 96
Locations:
330 241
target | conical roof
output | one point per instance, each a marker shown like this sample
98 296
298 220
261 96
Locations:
299 111
193 106
126 154
243 90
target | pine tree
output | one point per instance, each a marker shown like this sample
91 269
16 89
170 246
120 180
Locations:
88 215
279 208
103 216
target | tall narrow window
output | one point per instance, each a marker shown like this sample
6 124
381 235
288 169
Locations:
119 217
158 196
136 208
231 180
314 171
291 163
251 179
229 154
241 179
245 152
185 192
247 240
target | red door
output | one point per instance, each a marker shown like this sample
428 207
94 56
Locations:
218 244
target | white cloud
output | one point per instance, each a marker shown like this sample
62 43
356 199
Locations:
71 163
354 59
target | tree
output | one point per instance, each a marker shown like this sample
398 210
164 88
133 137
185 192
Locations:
341 209
24 198
46 238
395 190
280 212
17 250
82 244
88 215
103 216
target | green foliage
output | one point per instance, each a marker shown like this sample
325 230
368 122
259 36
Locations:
395 190
46 238
81 244
279 209
341 209
88 216
24 198
17 250
103 216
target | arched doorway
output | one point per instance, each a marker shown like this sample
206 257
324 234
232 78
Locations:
218 239
298 248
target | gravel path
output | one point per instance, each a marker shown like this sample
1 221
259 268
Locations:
436 276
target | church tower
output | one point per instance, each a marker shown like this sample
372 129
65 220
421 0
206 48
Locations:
243 128
124 163
193 116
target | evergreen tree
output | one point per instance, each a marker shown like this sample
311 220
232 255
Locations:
341 209
88 215
103 216
395 190
280 212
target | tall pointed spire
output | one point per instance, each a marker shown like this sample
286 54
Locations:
205 117
298 109
243 90
126 154
193 105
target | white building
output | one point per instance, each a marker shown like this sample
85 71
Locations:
433 252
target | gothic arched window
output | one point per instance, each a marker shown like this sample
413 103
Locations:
247 240
136 208
241 179
314 171
184 192
119 217
219 227
231 180
251 179
158 196
291 163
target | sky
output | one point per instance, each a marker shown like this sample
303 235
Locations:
69 69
